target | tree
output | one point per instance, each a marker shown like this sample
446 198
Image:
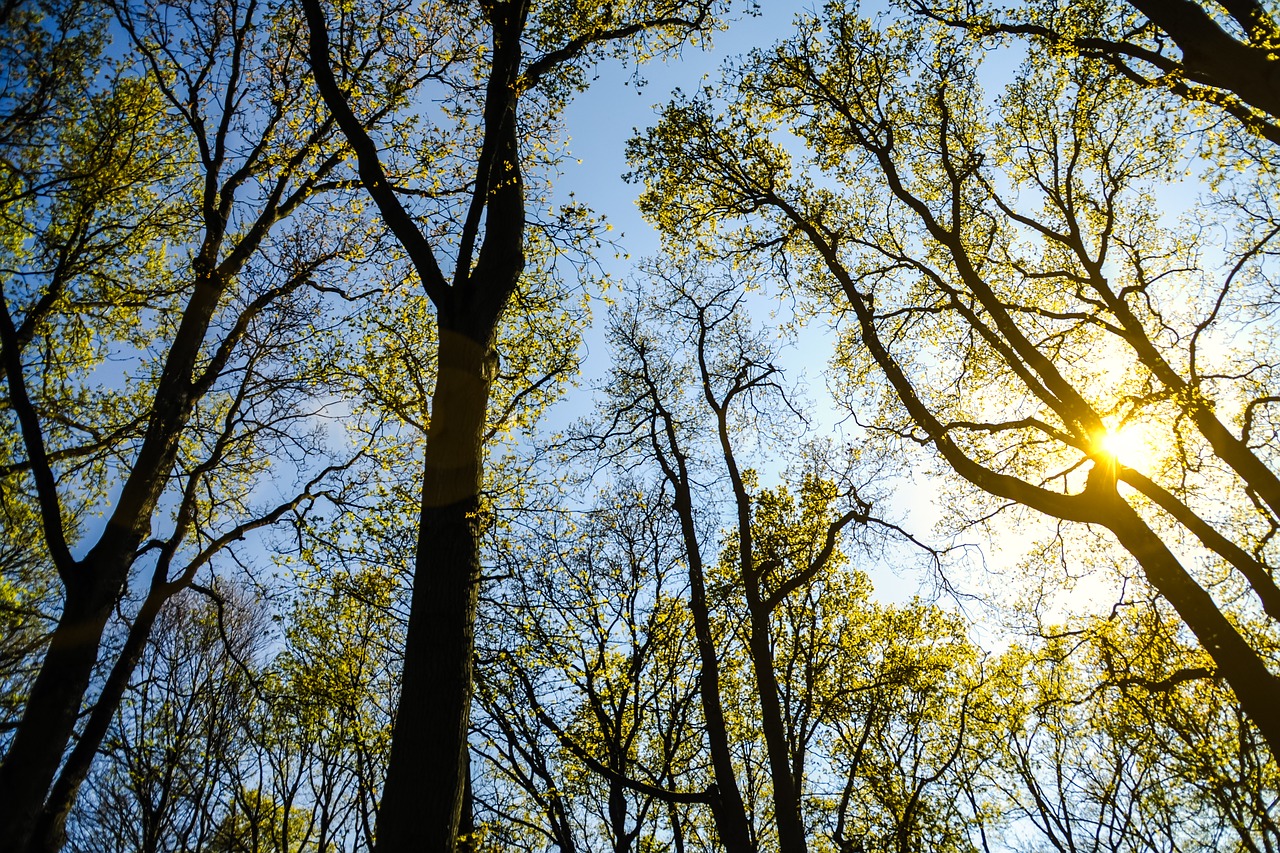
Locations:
1108 736
332 690
1014 293
665 393
167 211
874 731
218 745
695 387
902 707
505 67
1225 51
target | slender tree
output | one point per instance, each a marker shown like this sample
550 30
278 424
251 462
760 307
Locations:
689 401
589 632
519 62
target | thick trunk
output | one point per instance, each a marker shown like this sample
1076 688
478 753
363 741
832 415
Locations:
1212 55
49 719
618 818
426 773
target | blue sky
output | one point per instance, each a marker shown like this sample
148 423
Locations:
601 119
599 122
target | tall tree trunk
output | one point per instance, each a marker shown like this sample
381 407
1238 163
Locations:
426 773
786 798
424 788
727 808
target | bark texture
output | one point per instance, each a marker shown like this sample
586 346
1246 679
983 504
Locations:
427 774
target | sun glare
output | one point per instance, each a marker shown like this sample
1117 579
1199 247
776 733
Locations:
1128 445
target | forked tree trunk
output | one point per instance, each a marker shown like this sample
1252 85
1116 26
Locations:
50 830
49 719
425 783
93 585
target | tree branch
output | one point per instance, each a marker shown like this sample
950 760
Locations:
33 438
707 796
370 166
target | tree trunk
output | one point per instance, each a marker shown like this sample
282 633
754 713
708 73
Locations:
786 799
50 832
49 719
1244 670
727 808
426 773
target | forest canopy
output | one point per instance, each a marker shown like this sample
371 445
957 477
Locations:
918 490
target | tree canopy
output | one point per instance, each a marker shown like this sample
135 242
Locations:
925 495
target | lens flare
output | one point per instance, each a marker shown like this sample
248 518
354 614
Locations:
1128 445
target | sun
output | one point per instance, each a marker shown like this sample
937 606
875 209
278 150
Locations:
1129 445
